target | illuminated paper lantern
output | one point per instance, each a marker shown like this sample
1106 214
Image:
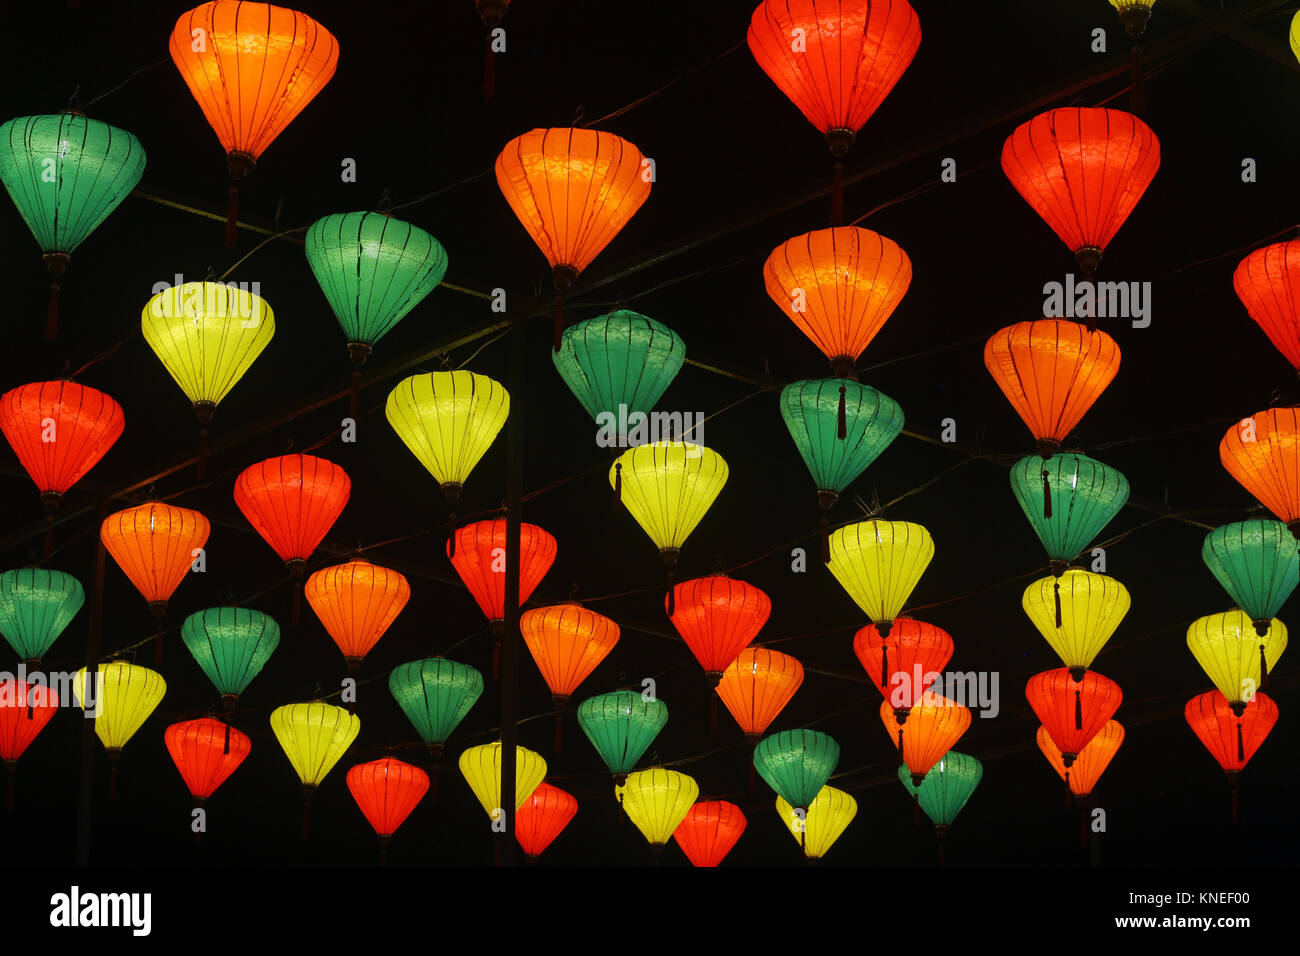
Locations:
36 605
756 686
1235 657
825 820
709 830
206 752
657 800
542 817
357 602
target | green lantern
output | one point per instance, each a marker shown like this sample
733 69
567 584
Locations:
35 606
373 269
620 359
435 694
836 455
66 173
1257 563
621 725
796 764
946 788
1082 495
231 644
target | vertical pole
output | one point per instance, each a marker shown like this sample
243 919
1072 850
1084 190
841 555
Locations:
510 642
87 777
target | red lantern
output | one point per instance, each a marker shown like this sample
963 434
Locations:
357 602
1268 283
905 663
25 709
709 830
934 725
717 617
544 814
292 501
206 752
1230 739
387 790
1072 711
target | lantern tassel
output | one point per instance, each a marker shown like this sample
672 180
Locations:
354 399
1137 94
618 482
1241 745
1047 496
884 666
203 453
837 195
49 536
52 314
901 761
232 217
1263 668
842 431
489 72
1078 710
1056 588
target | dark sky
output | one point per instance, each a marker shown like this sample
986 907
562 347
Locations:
729 149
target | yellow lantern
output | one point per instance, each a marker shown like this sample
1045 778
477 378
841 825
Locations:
314 736
481 768
657 800
1295 35
448 420
878 563
1236 659
1077 613
121 699
829 815
207 334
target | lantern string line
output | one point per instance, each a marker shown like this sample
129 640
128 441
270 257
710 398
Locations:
143 69
667 86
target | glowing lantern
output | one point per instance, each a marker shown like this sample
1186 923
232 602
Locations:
1068 508
668 486
1295 35
207 335
1268 284
357 602
252 67
387 790
35 606
1082 170
1231 737
1262 453
206 752
878 563
292 501
838 286
756 686
717 617
933 724
1236 658
231 645
1051 371
1134 15
621 726
618 365
1076 614
818 827
1090 763
314 737
25 709
567 642
478 559
905 662
796 764
435 694
1073 711
573 190
709 830
945 790
121 696
542 817
657 801
155 544
1257 563
66 173
481 767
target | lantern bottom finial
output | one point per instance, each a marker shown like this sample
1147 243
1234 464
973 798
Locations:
826 500
1261 627
564 278
1047 447
1058 566
1238 708
204 411
670 556
1135 19
918 779
451 491
297 568
228 702
51 500
900 714
56 263
1076 674
1089 259
240 164
844 366
359 352
840 141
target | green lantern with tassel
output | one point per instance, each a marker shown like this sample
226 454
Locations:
1068 499
1257 563
945 789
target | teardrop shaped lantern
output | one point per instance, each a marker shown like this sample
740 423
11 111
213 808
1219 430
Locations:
252 67
709 831
435 694
797 764
314 736
155 544
448 420
477 558
1233 655
878 563
386 791
357 602
1069 507
1073 711
657 800
25 709
1051 371
207 335
825 820
1076 614
231 645
621 726
121 697
1090 763
1083 170
618 365
292 502
206 752
1295 35
718 617
1257 563
838 286
905 662
946 788
543 817
933 725
36 604
481 768
1231 737
566 641
756 686
1268 284
573 190
1263 453
66 173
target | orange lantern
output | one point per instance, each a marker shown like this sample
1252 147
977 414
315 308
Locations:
206 752
717 617
1073 711
905 663
567 641
1090 763
542 817
357 602
1263 453
934 725
756 686
573 190
387 790
839 286
252 67
709 830
1268 284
